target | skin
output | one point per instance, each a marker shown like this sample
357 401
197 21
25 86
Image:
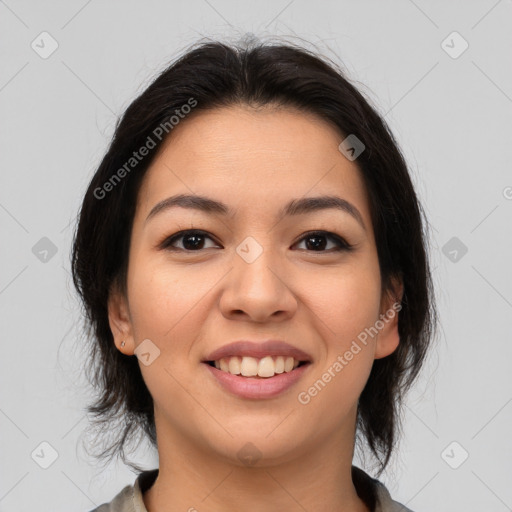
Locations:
189 303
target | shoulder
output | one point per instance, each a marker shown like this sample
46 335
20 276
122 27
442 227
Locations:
371 490
129 499
387 504
121 503
375 493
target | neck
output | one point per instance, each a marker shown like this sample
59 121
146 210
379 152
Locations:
193 478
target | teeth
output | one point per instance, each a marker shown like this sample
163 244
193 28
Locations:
266 367
232 366
279 366
247 366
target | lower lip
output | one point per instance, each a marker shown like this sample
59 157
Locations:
257 388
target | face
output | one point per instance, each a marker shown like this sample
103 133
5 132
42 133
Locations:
308 277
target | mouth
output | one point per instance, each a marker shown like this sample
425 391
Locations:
266 367
258 379
257 370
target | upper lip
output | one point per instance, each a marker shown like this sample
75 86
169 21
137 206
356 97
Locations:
258 350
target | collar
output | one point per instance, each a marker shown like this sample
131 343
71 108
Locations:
370 490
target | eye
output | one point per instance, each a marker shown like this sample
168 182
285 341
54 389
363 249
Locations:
193 240
316 240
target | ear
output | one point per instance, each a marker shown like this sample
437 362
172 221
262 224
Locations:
119 320
388 338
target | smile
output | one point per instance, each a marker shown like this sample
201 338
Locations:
255 386
264 367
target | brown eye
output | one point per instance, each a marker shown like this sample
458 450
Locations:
317 241
192 240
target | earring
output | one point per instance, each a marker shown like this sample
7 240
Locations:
122 343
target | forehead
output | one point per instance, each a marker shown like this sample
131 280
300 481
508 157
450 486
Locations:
251 157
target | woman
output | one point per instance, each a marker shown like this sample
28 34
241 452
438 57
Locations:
252 259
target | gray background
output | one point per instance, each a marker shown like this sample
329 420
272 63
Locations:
452 117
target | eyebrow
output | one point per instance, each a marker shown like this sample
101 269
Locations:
294 207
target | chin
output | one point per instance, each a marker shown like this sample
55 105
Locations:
256 448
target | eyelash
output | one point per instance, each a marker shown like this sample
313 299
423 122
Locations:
343 245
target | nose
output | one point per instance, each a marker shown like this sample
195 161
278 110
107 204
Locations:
258 291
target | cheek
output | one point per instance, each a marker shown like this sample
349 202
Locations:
167 306
346 300
168 303
335 386
346 303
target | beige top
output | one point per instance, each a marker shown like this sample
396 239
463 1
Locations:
369 489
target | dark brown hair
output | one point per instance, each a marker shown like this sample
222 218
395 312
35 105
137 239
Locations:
214 75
